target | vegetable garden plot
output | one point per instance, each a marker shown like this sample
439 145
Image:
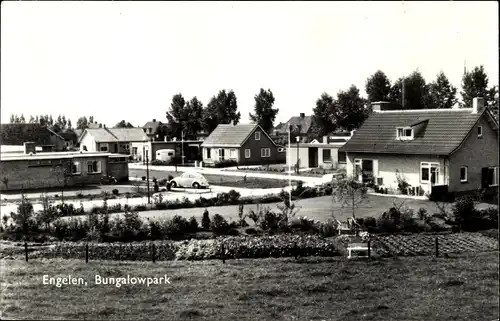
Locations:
424 244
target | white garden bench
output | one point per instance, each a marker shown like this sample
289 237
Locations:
357 248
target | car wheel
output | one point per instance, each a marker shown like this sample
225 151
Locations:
173 184
196 185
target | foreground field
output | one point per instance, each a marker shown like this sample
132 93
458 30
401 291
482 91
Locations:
420 288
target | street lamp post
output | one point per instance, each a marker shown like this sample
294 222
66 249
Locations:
182 146
150 135
298 140
289 166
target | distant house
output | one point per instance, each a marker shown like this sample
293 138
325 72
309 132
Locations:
454 148
70 137
324 154
18 134
300 125
155 128
113 140
247 144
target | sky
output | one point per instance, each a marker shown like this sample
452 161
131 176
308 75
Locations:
125 60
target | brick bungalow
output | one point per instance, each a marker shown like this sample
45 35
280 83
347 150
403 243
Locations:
453 148
32 170
247 144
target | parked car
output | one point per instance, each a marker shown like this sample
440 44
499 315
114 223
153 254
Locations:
187 179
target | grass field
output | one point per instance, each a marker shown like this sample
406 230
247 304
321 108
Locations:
420 288
221 180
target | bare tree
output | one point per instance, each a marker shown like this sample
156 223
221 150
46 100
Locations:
349 192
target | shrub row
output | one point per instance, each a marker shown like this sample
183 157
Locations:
229 247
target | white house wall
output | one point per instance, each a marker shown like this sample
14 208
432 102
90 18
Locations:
332 162
303 156
89 142
407 165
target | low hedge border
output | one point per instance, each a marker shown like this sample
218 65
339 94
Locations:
228 247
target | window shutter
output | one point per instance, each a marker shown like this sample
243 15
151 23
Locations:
484 177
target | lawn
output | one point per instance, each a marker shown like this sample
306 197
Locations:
221 180
419 288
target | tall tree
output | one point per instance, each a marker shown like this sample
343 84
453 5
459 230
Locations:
325 115
265 114
222 109
176 115
416 91
22 120
69 124
82 123
32 119
91 120
442 93
378 87
124 124
193 123
352 108
475 84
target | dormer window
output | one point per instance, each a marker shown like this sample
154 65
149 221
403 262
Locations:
404 133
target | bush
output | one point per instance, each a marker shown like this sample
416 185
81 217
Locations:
205 221
144 178
115 191
308 193
328 229
140 208
219 225
225 163
402 183
193 225
298 189
175 228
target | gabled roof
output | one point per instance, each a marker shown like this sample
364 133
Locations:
18 134
226 135
115 134
305 124
444 131
153 124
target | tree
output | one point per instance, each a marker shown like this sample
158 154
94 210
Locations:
13 119
475 84
325 115
176 115
352 108
349 192
91 119
222 109
265 114
48 213
50 120
124 124
69 124
82 123
24 215
193 123
378 87
21 119
32 120
442 93
416 92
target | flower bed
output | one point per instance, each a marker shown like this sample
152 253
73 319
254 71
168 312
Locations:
234 247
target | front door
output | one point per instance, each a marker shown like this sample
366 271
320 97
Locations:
313 157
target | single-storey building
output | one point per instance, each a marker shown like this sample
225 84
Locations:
192 149
32 170
247 144
113 140
456 148
317 155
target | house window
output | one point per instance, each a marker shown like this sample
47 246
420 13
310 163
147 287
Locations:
209 153
247 153
463 174
489 176
479 131
429 172
94 167
404 133
327 155
75 168
221 154
257 135
134 151
265 152
232 153
104 147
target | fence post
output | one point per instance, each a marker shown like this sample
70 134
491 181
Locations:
295 250
87 253
369 248
437 247
153 253
223 254
26 250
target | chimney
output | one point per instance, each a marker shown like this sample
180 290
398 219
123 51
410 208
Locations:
376 106
154 120
29 148
477 105
325 139
302 115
